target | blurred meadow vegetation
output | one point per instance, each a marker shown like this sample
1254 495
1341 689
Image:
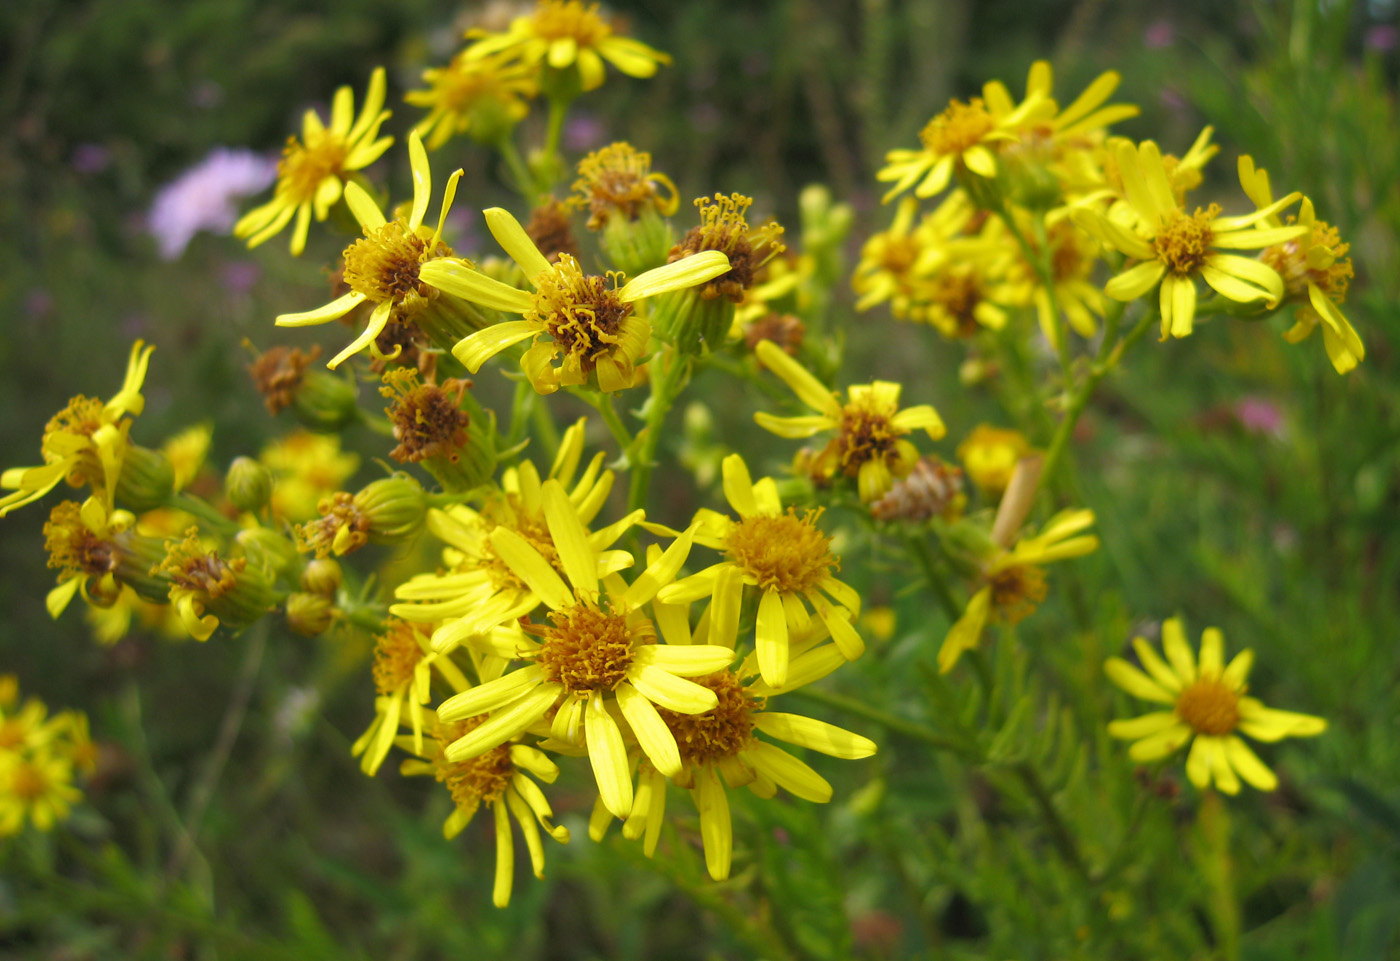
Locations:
1284 535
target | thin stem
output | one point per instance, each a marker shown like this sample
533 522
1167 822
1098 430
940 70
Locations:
918 546
519 171
664 390
214 765
603 404
890 722
1060 834
1044 266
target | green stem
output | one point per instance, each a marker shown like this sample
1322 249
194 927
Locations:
890 722
664 390
1060 834
519 170
1108 357
918 546
204 511
603 404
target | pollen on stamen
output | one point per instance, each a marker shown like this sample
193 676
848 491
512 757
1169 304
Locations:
783 552
587 649
721 732
383 265
1209 706
477 780
957 128
396 654
1183 241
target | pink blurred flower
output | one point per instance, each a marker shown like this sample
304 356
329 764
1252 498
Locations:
1259 416
1383 37
1159 35
203 197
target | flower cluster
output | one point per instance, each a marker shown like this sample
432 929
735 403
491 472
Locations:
42 756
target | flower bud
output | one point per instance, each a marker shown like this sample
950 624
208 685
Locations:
270 550
326 402
322 576
147 479
386 511
248 484
310 614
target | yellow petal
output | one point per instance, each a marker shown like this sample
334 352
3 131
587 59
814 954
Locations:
654 737
1136 281
1212 656
458 279
478 348
816 735
492 695
691 660
334 310
1247 764
516 242
808 389
570 540
422 180
771 639
609 757
377 322
738 485
1177 650
527 564
716 830
689 271
1145 726
795 776
505 724
1135 682
364 208
1156 746
505 857
671 692
965 634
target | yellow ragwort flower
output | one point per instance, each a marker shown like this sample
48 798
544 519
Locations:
483 97
721 747
895 262
1316 273
497 779
990 455
1013 584
314 170
1175 247
85 443
565 33
384 268
592 323
478 592
305 468
869 427
617 181
783 554
1209 707
598 651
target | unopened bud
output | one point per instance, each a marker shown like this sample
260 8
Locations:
146 481
322 576
248 484
310 614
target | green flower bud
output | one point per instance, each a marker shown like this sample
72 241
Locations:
322 576
325 402
310 614
248 484
270 550
147 479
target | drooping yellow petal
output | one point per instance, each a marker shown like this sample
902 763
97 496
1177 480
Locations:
609 757
965 634
654 737
671 692
1247 764
771 639
478 348
687 272
505 723
794 776
458 279
336 309
808 389
716 830
505 857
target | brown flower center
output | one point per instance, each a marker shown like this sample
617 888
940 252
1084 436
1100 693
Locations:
1017 592
1183 242
304 166
428 420
278 374
581 312
384 265
617 179
721 732
552 230
191 568
587 649
1209 706
342 527
475 780
72 547
569 20
784 553
724 228
866 434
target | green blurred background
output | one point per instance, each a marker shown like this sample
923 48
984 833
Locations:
1282 533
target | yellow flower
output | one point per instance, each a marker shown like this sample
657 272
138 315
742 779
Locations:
186 452
617 180
85 443
314 170
564 33
1175 247
1073 256
479 592
207 589
990 455
481 96
498 779
305 468
895 262
869 426
403 666
1014 583
1316 272
591 323
721 747
783 554
37 787
1208 705
384 268
964 136
597 651
96 553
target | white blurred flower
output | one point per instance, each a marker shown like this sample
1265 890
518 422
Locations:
204 197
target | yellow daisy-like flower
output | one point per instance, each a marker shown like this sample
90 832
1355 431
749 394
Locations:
305 468
207 589
990 455
617 181
85 443
384 267
36 787
1175 247
187 451
894 262
1073 256
1316 272
479 591
869 444
964 135
97 552
498 779
314 170
721 747
593 324
598 649
481 96
403 666
783 554
1013 582
1208 706
565 33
